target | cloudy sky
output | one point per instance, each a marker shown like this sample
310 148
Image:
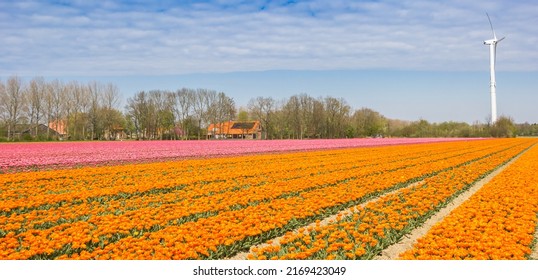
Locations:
406 59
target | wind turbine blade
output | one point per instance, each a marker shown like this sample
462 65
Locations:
494 36
500 39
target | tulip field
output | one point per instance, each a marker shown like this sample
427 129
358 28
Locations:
265 200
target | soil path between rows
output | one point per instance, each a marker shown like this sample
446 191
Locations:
393 252
534 254
326 221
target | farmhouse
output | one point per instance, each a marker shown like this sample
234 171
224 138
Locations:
235 130
41 129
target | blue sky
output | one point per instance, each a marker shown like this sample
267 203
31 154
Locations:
406 59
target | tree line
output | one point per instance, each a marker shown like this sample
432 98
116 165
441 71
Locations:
84 111
91 111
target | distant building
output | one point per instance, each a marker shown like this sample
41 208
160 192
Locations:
40 129
235 130
54 130
60 128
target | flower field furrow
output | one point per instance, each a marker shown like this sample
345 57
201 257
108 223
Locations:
497 222
230 231
381 223
29 156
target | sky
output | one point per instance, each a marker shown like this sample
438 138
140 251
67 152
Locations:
410 59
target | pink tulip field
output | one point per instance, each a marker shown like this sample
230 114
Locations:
30 156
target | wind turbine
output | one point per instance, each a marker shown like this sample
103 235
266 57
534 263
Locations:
492 57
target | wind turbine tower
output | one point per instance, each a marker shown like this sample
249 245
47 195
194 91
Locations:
492 57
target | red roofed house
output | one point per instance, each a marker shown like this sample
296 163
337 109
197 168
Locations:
235 130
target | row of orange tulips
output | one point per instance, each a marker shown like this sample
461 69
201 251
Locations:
381 223
497 222
203 208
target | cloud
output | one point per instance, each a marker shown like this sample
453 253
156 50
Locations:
134 37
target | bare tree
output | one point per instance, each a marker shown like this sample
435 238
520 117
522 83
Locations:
78 107
3 103
162 112
36 96
48 106
281 127
318 117
133 115
140 110
95 99
110 99
14 102
85 108
67 103
262 108
221 108
306 103
337 115
292 112
172 106
298 111
200 107
55 104
184 107
111 96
